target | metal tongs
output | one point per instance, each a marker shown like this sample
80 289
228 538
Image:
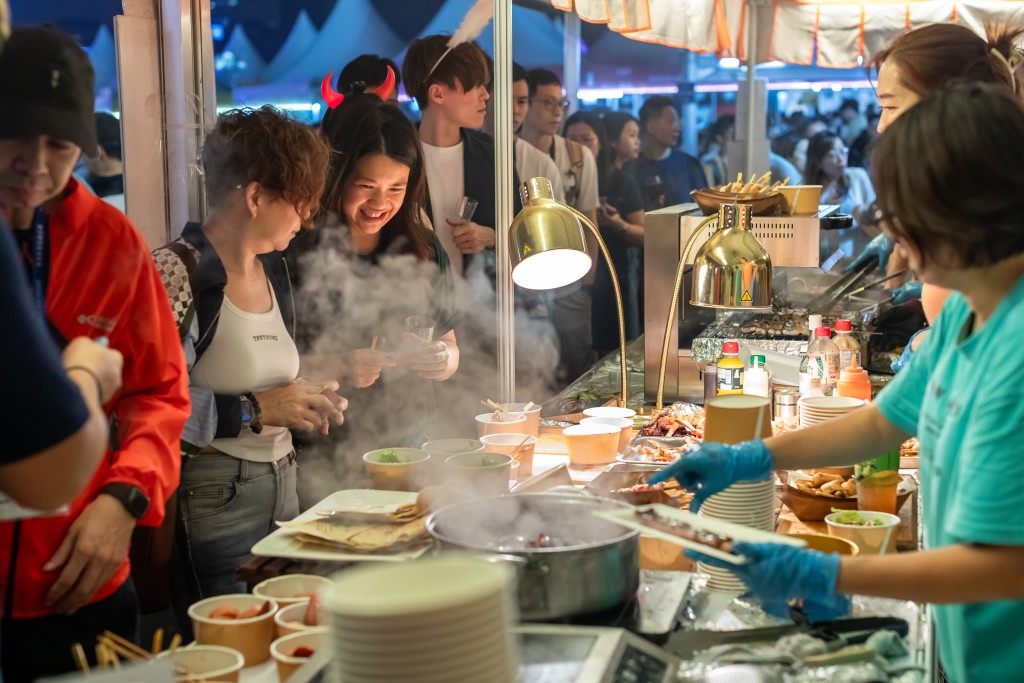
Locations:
843 287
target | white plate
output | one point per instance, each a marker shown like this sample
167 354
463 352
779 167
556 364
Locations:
285 542
737 532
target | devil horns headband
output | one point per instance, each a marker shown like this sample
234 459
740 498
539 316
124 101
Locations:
333 98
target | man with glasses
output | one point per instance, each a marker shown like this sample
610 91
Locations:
665 173
571 307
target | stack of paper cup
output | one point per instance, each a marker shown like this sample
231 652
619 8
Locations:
817 409
734 419
445 619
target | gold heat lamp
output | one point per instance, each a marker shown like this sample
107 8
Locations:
732 269
548 250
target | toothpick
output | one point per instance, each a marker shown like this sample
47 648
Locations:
158 641
78 652
175 642
126 644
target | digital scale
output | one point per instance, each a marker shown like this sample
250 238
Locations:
556 653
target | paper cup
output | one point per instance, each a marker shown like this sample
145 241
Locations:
292 588
486 425
872 540
610 411
625 424
282 648
532 426
206 663
737 418
250 637
506 443
591 445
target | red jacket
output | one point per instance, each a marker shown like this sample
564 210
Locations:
104 282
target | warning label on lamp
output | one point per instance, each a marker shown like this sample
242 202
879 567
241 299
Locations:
526 249
746 296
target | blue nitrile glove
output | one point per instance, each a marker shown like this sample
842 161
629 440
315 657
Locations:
777 573
880 246
713 467
907 292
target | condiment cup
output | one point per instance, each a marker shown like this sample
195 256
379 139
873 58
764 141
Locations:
872 540
591 445
291 619
532 426
623 423
313 638
508 443
485 474
292 588
251 637
411 473
485 424
205 663
610 411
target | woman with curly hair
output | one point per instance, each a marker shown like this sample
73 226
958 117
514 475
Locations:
229 287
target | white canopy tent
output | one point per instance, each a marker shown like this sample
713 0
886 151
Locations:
241 58
302 35
104 59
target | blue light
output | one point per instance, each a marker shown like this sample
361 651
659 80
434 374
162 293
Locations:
217 31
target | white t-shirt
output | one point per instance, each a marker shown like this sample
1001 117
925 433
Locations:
587 197
250 352
446 185
533 163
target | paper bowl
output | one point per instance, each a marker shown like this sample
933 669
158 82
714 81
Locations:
411 473
506 443
872 540
532 417
486 425
610 411
251 637
206 663
289 619
624 424
442 448
800 200
281 648
485 473
292 588
591 445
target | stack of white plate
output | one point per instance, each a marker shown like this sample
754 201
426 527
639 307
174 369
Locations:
751 504
817 409
445 619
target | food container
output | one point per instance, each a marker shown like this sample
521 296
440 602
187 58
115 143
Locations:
586 564
292 588
486 474
761 203
507 443
828 544
281 650
800 200
250 637
205 663
872 540
591 445
625 424
410 473
532 417
485 424
784 403
810 507
291 619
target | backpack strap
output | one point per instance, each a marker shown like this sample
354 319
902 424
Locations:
176 274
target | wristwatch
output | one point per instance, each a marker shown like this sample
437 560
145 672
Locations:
131 497
252 416
246 411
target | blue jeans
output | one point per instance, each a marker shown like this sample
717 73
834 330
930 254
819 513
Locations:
227 505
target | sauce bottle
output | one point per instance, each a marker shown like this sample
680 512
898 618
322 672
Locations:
854 382
730 370
755 379
849 348
823 359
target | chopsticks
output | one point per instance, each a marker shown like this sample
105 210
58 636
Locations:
520 450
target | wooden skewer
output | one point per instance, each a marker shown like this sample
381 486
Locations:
373 343
520 450
121 650
126 644
175 642
78 652
158 641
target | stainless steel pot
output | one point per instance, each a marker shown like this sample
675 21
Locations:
585 564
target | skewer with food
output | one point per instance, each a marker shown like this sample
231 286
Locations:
679 420
684 530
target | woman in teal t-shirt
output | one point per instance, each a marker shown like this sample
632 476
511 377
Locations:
950 176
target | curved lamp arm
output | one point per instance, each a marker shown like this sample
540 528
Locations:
673 305
624 388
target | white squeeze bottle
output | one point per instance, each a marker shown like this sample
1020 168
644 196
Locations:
849 348
755 378
823 359
813 323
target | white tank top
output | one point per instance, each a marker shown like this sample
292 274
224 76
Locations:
250 352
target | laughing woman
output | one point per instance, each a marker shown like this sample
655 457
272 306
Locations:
373 263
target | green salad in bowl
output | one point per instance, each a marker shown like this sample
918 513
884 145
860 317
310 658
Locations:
853 518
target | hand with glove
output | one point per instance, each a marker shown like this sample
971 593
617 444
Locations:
880 247
908 292
713 467
778 573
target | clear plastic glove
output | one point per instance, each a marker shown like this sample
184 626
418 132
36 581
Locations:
880 247
907 292
432 361
779 573
713 467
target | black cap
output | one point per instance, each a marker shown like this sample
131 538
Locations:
47 83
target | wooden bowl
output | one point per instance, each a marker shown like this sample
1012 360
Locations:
809 507
761 203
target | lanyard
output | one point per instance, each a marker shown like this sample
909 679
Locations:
40 260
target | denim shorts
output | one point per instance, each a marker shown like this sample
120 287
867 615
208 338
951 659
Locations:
226 506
